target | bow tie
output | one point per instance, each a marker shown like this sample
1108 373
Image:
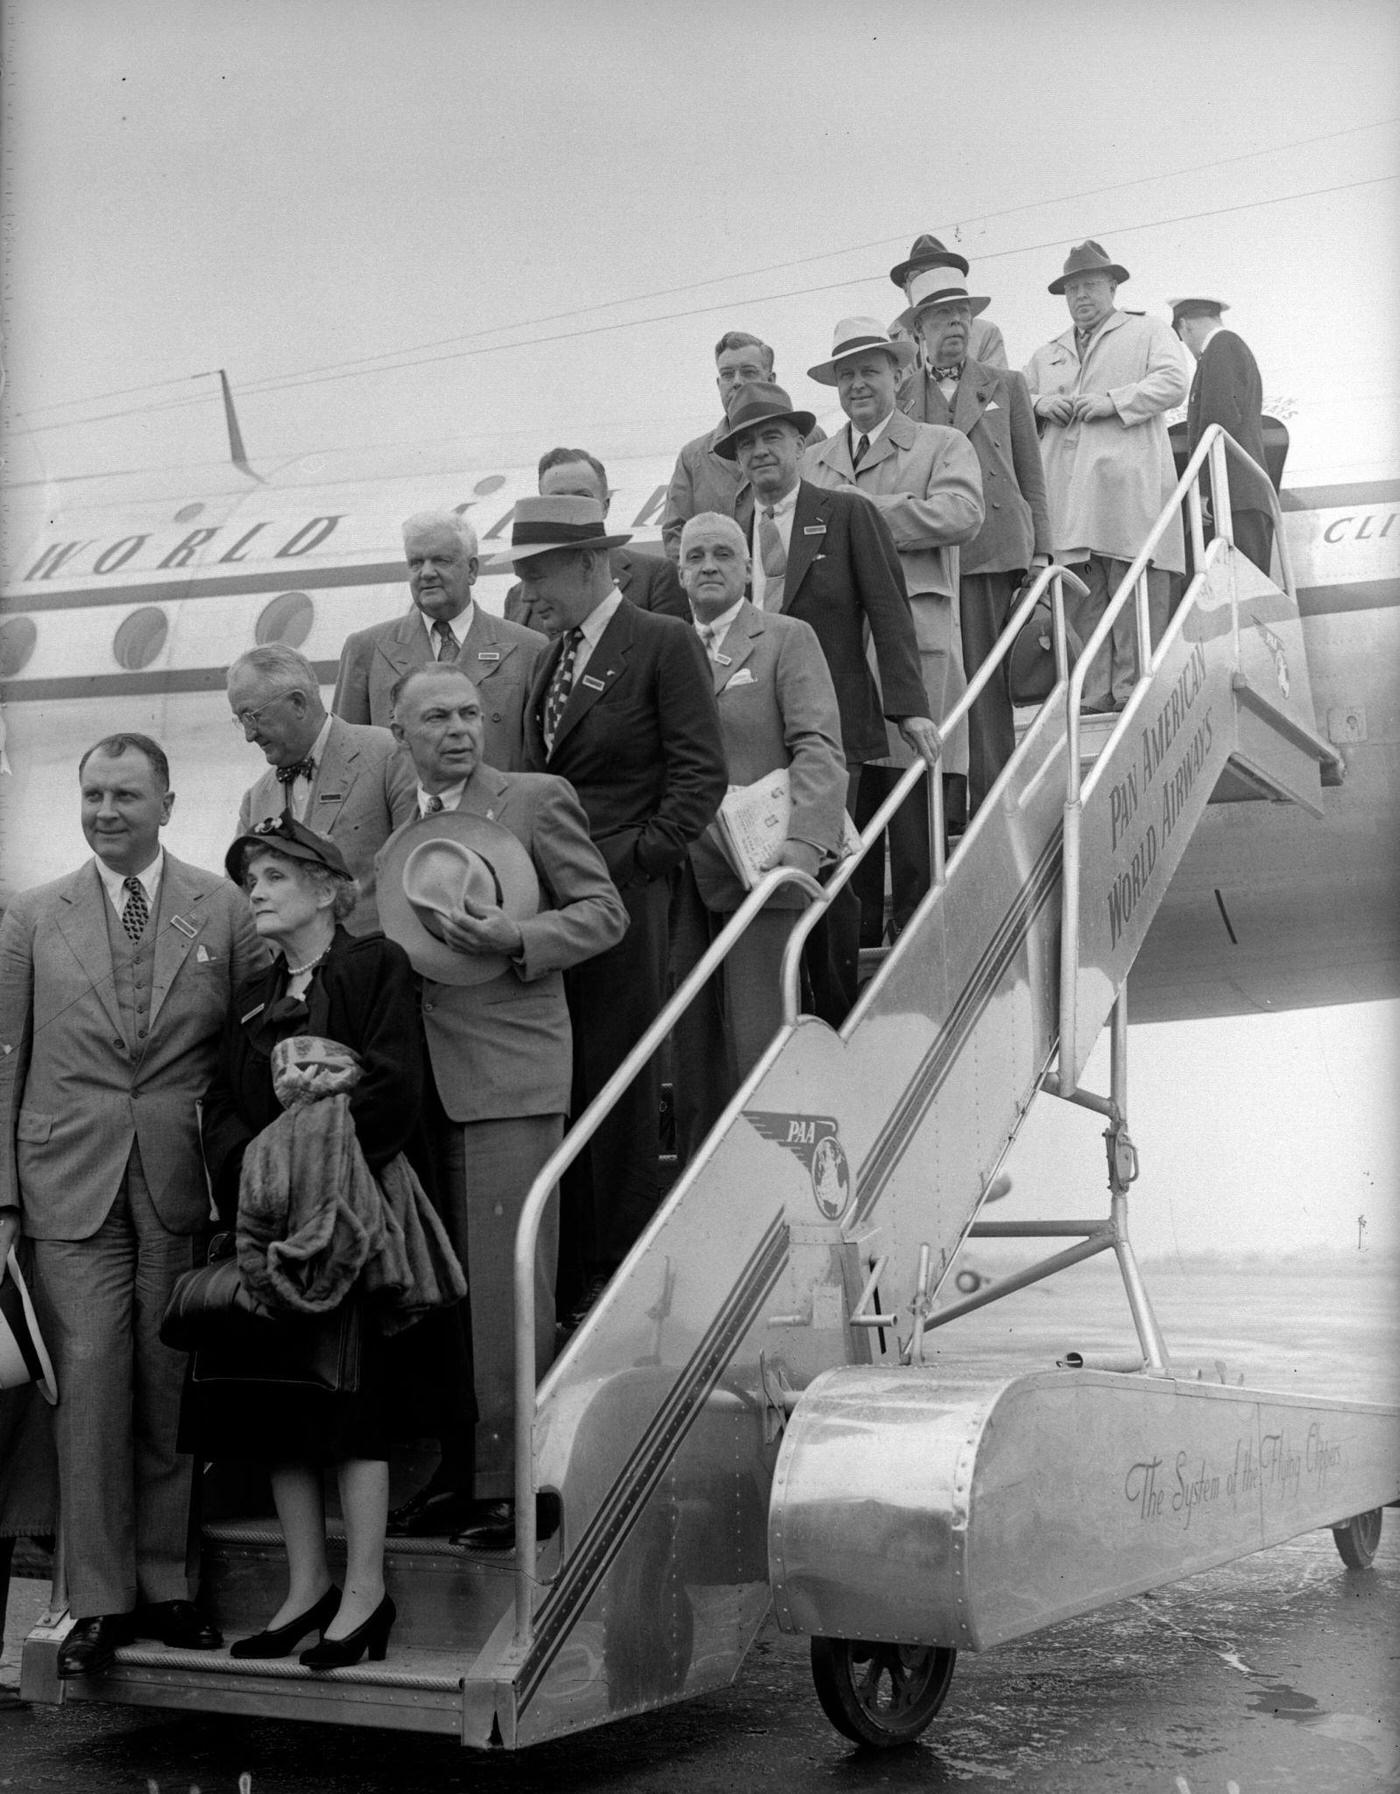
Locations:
948 373
299 769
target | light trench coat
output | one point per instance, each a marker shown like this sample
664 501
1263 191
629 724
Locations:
1108 480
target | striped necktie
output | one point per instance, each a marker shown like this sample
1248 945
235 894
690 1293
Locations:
137 912
772 555
448 647
862 450
560 685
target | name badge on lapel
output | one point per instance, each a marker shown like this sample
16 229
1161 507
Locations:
488 654
187 929
813 529
329 797
591 683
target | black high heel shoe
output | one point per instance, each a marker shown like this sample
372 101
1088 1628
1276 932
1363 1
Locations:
281 1641
369 1640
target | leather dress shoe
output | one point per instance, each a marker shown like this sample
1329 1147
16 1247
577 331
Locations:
91 1646
431 1513
178 1624
493 1524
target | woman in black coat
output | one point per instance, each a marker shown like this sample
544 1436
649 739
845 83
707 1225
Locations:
359 991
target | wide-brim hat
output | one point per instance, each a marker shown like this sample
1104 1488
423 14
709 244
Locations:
1194 306
858 336
430 866
542 525
24 1358
927 252
1088 257
937 286
760 402
285 835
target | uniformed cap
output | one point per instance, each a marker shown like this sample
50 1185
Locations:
1196 308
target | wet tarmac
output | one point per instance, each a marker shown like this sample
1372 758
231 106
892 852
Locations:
1278 1673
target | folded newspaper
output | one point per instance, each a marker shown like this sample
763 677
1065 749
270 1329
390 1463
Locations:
753 825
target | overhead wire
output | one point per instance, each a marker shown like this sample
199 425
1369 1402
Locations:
291 382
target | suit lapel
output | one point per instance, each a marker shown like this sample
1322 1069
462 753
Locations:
333 779
739 644
406 646
606 665
483 650
485 789
623 570
880 450
179 918
803 548
972 397
835 453
82 921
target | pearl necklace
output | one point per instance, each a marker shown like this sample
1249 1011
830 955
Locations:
311 964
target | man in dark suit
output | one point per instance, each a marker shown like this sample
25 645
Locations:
1227 390
828 557
992 408
624 709
444 625
346 781
114 983
646 580
704 480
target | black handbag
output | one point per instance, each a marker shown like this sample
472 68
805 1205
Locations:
1030 666
234 1338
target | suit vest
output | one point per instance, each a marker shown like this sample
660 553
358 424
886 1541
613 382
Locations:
133 969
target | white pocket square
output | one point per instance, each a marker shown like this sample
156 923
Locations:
744 676
992 405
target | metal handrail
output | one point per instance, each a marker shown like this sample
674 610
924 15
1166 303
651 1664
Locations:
542 1190
1051 578
1214 451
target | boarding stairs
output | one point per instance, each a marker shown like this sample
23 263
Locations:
753 1411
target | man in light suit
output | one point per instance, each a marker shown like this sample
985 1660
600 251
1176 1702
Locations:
827 556
114 983
346 781
646 580
444 624
705 480
1226 389
497 1024
992 408
778 710
924 481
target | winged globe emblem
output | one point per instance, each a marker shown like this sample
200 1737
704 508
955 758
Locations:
814 1140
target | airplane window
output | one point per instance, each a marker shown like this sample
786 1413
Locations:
17 638
140 638
492 483
287 619
185 512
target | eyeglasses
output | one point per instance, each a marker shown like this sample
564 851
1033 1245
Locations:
247 719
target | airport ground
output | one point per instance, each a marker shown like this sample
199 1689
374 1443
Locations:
1276 1674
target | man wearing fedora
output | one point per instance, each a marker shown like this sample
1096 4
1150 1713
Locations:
114 983
1226 389
704 480
778 710
924 481
928 268
443 623
992 408
1101 393
494 891
827 556
624 709
346 781
646 580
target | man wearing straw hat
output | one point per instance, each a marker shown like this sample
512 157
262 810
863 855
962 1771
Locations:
1101 393
494 892
992 407
624 709
924 481
1227 390
930 266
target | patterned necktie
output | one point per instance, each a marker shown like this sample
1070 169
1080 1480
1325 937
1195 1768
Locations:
448 647
432 803
137 912
299 769
771 552
560 685
709 636
862 450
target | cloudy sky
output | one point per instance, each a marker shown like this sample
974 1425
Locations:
396 220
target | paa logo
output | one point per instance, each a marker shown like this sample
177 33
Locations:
812 1139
